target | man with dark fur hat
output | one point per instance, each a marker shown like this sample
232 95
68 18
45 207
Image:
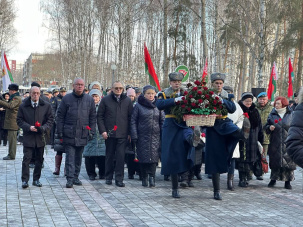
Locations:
10 123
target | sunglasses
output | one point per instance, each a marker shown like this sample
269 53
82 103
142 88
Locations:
118 88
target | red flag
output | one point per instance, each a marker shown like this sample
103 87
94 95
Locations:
272 83
149 69
291 76
204 71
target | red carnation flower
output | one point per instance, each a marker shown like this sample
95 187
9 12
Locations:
185 92
115 127
190 96
215 102
221 107
205 88
37 124
183 106
200 100
211 92
193 104
246 115
276 121
185 101
88 128
207 96
188 109
199 92
136 160
195 88
220 103
203 134
215 108
217 98
280 119
183 98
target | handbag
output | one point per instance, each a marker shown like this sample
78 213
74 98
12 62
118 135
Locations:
264 164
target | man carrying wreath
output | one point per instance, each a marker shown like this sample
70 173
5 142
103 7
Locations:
174 147
222 138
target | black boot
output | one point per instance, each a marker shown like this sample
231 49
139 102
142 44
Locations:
151 182
144 182
242 182
216 185
174 182
230 182
287 185
166 177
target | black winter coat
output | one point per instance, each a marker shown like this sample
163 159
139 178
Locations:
249 150
146 128
277 148
111 113
27 116
74 114
294 141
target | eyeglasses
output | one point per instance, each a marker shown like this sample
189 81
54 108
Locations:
118 88
79 85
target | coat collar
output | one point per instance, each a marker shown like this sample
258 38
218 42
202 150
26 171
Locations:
27 102
122 96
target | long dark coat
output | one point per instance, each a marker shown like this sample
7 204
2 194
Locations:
249 149
27 116
294 141
277 148
220 144
146 127
174 148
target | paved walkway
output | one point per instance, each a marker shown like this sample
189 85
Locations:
98 204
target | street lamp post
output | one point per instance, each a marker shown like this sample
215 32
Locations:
113 67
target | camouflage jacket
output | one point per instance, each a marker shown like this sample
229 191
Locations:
264 112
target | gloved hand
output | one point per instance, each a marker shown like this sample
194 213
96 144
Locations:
39 129
60 135
90 136
179 99
134 144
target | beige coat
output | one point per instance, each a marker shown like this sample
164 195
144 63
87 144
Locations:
12 108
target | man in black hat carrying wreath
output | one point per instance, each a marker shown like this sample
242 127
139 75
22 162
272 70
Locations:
10 123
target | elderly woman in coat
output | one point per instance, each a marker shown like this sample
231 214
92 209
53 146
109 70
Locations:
278 123
249 149
146 127
94 151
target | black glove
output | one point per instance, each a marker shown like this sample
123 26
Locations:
60 135
134 144
39 129
90 137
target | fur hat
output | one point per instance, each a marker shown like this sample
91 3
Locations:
217 76
131 91
90 87
35 84
13 87
175 76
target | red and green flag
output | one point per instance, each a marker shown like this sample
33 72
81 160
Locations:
272 86
7 77
291 77
149 69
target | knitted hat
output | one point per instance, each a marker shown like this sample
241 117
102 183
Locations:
147 87
131 91
95 92
246 95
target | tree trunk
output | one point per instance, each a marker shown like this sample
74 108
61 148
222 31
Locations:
299 75
203 26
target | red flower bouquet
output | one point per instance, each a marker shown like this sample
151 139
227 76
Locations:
112 130
199 100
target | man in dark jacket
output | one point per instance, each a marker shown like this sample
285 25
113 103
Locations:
115 113
34 117
10 123
76 123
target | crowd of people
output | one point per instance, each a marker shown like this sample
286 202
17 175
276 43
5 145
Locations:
133 126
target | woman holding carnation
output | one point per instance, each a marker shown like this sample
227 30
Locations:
249 149
278 123
146 128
